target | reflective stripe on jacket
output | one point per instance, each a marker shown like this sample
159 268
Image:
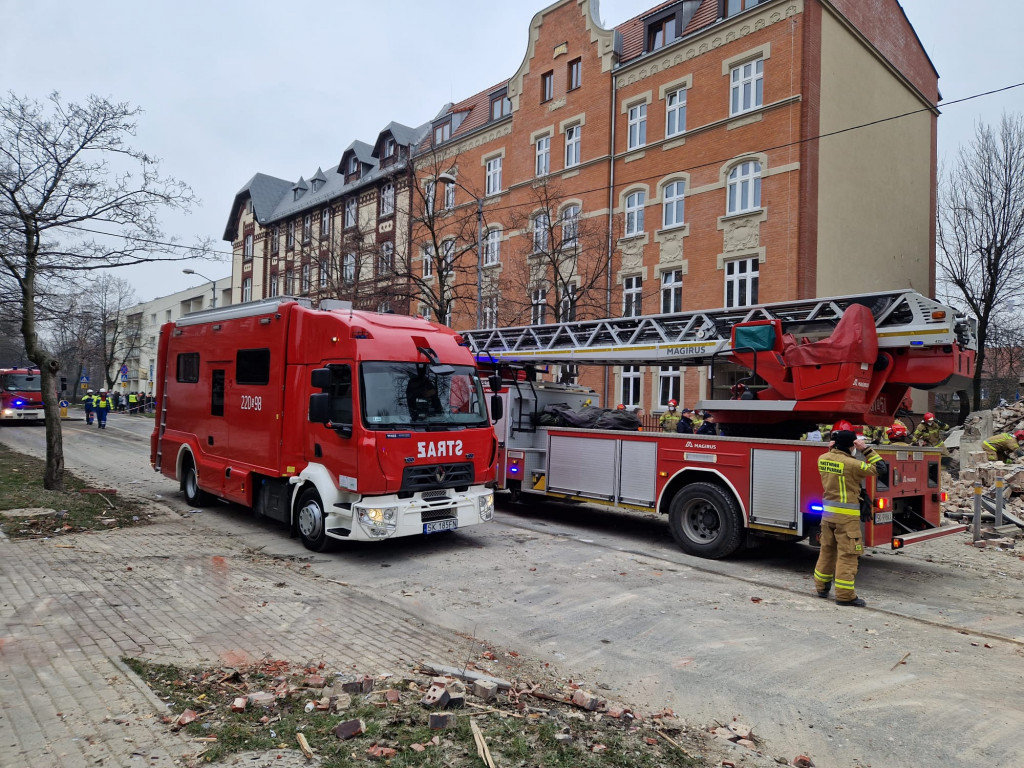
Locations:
841 476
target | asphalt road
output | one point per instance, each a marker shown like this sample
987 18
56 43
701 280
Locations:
608 596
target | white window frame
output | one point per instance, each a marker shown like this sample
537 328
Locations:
246 289
307 228
290 237
567 311
746 90
635 213
448 256
247 247
274 279
348 268
673 198
386 258
538 306
637 126
305 278
427 256
351 206
671 291
492 247
428 196
632 296
493 176
289 281
353 164
449 197
743 188
387 199
630 385
541 232
741 282
675 112
323 273
275 242
383 307
669 385
490 312
573 135
325 222
543 151
571 226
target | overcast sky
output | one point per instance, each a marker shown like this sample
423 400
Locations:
232 88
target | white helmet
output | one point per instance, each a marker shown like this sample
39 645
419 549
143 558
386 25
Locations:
88 391
103 391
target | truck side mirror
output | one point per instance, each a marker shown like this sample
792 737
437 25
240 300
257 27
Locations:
320 378
497 407
495 383
319 406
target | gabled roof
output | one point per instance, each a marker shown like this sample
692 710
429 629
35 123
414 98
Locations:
362 150
318 176
265 191
475 112
403 135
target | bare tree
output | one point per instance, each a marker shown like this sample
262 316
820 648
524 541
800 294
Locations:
116 336
981 229
74 197
559 265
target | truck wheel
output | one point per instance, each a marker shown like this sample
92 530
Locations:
705 521
190 485
310 520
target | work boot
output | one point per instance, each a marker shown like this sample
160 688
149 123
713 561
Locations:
824 593
857 602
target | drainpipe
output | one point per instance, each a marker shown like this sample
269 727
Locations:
611 222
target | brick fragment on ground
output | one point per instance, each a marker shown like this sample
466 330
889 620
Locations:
380 752
585 700
803 761
417 748
316 681
741 730
441 720
262 699
485 689
186 717
436 696
726 734
393 696
238 705
747 743
349 729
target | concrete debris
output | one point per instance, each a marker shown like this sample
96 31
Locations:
349 729
441 720
803 761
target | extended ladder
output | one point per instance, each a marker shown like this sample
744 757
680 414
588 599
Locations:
902 319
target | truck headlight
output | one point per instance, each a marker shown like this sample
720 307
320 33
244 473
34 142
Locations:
487 507
378 521
8 411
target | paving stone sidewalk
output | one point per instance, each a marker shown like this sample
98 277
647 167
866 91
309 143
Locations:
71 606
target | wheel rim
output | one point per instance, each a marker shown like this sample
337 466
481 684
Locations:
701 521
191 483
311 520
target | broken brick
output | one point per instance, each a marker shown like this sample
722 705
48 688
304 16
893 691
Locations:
186 717
585 700
378 751
441 720
436 696
803 761
393 696
417 748
741 730
485 689
725 733
262 699
747 743
349 729
316 681
238 705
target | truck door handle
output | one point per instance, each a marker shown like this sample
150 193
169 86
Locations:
209 439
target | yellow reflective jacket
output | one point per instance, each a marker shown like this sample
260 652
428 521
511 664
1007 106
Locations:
841 475
1000 446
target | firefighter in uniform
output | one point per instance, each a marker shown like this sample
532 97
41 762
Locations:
669 420
1004 447
103 407
88 406
841 544
897 433
928 432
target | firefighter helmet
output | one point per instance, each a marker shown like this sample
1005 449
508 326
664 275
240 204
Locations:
620 407
1019 434
842 426
929 417
897 431
672 403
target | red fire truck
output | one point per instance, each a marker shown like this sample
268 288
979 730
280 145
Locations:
346 425
774 372
21 395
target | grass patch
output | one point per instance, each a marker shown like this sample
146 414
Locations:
21 487
524 729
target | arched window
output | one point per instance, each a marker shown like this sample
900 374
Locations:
744 188
673 204
635 214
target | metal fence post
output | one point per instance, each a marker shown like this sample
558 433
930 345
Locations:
976 527
999 501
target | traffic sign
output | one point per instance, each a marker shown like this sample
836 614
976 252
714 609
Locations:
124 370
124 377
84 379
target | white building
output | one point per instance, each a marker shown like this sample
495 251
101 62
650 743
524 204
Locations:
151 315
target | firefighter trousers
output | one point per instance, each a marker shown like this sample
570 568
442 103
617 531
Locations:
841 547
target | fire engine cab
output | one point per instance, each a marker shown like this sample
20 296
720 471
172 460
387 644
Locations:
775 371
346 425
21 395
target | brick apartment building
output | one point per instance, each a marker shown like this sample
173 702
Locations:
704 153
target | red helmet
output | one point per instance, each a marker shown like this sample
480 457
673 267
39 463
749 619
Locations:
672 403
897 430
842 426
1019 434
620 407
929 416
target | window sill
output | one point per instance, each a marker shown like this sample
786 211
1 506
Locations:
741 214
632 236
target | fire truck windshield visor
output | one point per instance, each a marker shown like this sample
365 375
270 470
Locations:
411 395
19 382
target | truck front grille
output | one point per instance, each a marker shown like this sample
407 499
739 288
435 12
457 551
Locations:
430 477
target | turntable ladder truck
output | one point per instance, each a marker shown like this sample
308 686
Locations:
801 363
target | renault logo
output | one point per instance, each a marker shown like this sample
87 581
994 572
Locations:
440 474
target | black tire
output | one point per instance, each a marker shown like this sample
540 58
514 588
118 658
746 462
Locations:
705 521
310 521
190 485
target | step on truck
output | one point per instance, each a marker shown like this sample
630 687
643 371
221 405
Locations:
774 372
345 425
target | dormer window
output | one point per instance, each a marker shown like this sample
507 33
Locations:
317 183
353 164
442 132
729 8
389 147
501 105
667 26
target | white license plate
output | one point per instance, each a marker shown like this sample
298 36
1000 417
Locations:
436 526
881 518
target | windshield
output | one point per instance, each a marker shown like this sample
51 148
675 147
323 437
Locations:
20 382
411 396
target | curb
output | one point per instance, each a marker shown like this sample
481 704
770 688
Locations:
159 707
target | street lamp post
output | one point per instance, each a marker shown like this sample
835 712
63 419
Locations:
213 285
447 178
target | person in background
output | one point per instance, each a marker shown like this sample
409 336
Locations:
103 407
1004 447
89 407
707 426
685 425
814 436
620 407
669 420
898 433
133 404
639 413
929 432
841 544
